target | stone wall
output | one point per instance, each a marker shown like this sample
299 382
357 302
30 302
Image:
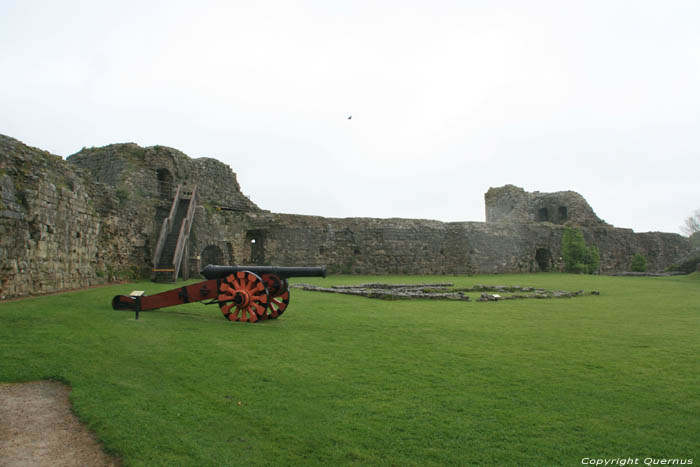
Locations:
414 246
618 246
152 174
55 233
95 217
510 203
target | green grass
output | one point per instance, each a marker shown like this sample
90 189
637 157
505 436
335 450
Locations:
344 380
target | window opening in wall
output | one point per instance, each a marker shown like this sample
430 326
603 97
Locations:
165 184
256 239
543 257
563 213
542 215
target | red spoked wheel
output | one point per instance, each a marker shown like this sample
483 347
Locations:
279 295
243 297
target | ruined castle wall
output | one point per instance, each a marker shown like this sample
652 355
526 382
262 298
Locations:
363 245
414 246
49 228
618 246
97 216
510 203
145 181
153 173
61 230
507 247
48 231
661 249
353 245
374 246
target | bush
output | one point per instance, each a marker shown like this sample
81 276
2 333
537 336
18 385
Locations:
592 259
122 195
687 266
578 258
639 263
690 264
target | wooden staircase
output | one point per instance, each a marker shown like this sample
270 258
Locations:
173 242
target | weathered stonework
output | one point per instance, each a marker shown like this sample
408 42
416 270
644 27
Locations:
510 203
96 216
60 229
152 174
413 246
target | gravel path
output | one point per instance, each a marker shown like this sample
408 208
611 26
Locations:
37 428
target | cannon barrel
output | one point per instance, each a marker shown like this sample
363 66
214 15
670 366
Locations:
212 271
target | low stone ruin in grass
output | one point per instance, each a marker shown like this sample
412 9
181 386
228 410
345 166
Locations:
443 291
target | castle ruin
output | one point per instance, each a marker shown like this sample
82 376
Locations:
97 216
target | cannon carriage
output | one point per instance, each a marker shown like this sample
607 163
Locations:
243 293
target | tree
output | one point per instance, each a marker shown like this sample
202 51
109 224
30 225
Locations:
695 240
692 224
639 263
578 258
691 228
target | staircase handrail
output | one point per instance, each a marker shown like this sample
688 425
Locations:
166 227
184 235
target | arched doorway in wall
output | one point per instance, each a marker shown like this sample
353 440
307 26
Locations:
543 257
165 184
212 254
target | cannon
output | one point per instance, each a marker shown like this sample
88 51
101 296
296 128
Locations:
244 293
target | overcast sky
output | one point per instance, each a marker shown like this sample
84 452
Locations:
447 98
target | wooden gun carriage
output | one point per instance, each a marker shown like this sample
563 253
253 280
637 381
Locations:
243 293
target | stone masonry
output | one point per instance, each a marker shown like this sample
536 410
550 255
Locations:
513 204
95 217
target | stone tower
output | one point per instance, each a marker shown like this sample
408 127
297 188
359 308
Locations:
510 203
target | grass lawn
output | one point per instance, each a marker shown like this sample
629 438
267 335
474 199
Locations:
345 380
